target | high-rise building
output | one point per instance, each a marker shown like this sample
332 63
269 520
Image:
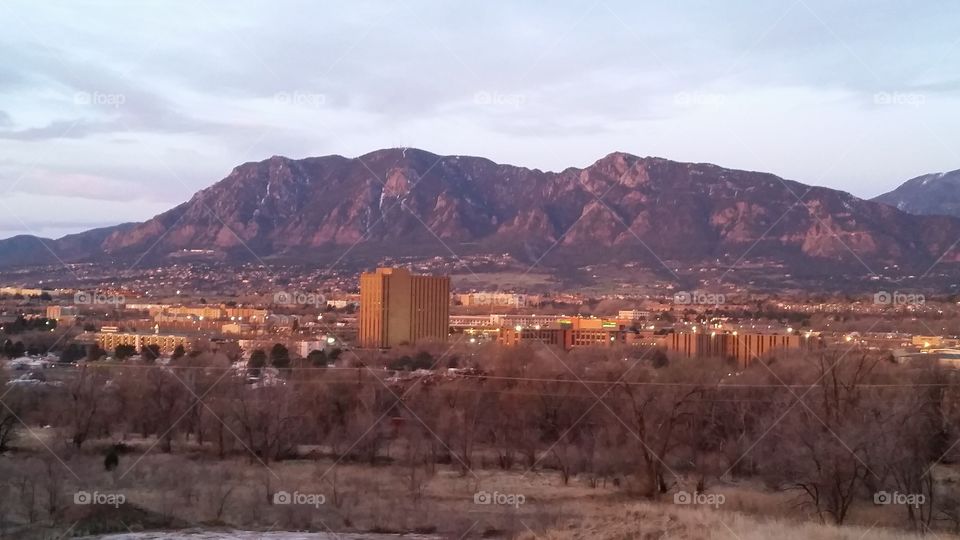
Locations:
397 307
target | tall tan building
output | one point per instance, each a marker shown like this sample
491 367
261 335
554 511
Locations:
397 307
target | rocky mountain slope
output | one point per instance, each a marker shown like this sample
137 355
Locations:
930 194
620 208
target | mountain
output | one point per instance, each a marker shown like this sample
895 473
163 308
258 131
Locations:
620 208
930 194
27 250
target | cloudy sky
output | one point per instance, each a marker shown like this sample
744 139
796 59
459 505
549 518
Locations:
116 111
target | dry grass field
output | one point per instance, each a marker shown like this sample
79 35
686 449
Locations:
192 490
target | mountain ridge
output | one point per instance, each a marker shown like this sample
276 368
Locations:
620 207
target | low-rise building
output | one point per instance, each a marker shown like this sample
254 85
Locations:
633 314
299 348
743 348
21 291
109 341
566 338
236 328
935 342
515 300
62 313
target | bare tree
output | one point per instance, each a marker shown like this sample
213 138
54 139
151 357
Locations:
821 448
87 406
12 409
654 406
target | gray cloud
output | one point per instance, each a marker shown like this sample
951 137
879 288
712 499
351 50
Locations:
55 130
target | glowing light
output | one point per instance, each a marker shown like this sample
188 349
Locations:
518 328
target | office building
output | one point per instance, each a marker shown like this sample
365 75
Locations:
397 307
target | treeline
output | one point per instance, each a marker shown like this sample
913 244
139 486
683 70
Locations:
835 428
22 324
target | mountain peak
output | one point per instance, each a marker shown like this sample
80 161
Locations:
618 155
948 176
398 153
929 194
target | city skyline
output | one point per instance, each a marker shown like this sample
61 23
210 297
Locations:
106 123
